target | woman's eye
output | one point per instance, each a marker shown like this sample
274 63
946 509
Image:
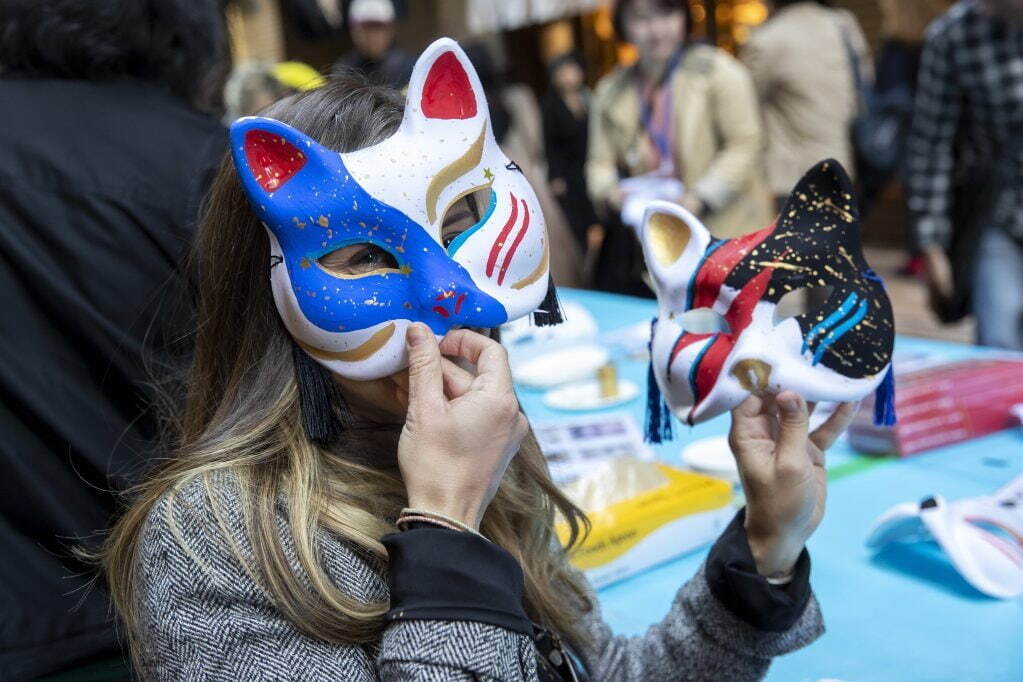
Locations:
358 259
450 237
465 212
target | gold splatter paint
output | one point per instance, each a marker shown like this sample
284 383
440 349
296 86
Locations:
323 221
784 266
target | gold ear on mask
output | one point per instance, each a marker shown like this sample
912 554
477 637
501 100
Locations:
668 235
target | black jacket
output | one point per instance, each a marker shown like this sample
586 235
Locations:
99 185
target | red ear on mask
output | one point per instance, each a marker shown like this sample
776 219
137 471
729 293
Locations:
447 92
272 159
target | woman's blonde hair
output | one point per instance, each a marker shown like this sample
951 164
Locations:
242 414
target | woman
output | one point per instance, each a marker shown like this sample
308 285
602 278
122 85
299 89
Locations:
565 110
264 547
684 111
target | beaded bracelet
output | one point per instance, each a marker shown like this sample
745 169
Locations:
413 518
433 517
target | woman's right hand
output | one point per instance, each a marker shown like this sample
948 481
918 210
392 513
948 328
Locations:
462 429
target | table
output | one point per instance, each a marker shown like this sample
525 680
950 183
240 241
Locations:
899 615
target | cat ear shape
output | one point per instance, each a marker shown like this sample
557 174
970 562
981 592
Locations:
269 154
822 194
674 241
444 87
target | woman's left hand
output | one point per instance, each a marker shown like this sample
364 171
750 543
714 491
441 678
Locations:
781 465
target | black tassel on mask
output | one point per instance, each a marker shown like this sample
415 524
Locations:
324 410
549 312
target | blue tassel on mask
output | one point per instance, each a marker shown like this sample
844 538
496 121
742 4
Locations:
884 396
884 401
658 416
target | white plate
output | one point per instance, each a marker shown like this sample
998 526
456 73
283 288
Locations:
586 396
563 366
712 456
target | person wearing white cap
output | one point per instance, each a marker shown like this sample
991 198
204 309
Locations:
371 24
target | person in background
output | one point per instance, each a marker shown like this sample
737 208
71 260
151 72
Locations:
685 111
903 23
251 87
110 128
565 109
800 59
968 125
256 85
518 128
371 24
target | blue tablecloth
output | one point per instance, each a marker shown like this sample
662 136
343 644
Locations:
900 615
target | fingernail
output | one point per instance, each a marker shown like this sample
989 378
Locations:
416 334
788 403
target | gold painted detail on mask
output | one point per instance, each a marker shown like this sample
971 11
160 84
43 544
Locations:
843 213
451 172
752 374
669 236
371 346
539 271
784 266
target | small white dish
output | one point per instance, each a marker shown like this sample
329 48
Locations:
712 456
585 395
563 366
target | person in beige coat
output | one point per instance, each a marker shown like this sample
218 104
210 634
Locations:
711 137
800 61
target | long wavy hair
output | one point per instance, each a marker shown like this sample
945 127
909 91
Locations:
242 414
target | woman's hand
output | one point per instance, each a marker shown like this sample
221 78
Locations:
781 466
462 429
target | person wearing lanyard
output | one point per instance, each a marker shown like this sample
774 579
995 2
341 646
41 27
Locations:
684 109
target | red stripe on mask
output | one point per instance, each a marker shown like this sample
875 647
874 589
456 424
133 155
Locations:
683 341
499 242
739 316
515 244
720 264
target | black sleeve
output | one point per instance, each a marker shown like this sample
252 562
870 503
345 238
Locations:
732 578
440 574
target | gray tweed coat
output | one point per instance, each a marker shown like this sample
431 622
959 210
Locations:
204 618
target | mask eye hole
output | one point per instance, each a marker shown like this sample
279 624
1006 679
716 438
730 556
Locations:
704 321
464 213
358 260
801 300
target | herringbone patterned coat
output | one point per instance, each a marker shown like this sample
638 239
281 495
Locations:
204 618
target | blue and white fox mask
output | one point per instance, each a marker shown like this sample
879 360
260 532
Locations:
394 197
718 335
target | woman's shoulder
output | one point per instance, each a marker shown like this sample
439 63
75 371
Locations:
713 65
704 58
202 525
196 524
611 82
197 506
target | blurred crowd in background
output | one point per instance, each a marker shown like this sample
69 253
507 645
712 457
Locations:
114 119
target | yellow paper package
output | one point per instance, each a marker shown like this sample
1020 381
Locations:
644 513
